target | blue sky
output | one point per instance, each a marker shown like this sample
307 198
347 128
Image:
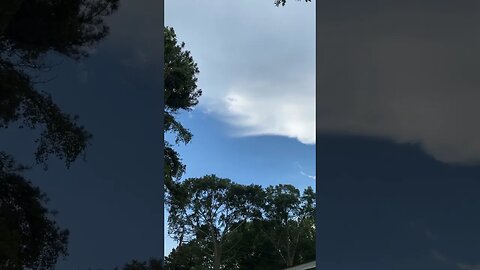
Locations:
255 122
264 160
257 159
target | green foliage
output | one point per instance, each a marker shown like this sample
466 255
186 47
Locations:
283 2
181 94
30 238
220 224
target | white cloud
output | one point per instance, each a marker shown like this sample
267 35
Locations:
269 108
257 68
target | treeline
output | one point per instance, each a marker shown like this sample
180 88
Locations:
220 224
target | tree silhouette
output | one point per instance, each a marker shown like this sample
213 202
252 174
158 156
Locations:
31 28
30 238
28 31
181 93
20 102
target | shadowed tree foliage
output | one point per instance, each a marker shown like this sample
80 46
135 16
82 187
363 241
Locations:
253 250
29 29
152 264
283 2
181 94
188 256
29 237
20 102
288 222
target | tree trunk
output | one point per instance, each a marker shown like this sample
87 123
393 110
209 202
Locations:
217 256
289 261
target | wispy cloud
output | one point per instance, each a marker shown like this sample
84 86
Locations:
303 173
309 176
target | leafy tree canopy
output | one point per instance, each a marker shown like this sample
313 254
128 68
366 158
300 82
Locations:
220 224
210 209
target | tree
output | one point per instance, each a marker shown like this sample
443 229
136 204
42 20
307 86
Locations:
288 222
28 31
61 134
283 2
31 28
283 236
188 256
212 209
181 94
274 227
253 251
30 238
